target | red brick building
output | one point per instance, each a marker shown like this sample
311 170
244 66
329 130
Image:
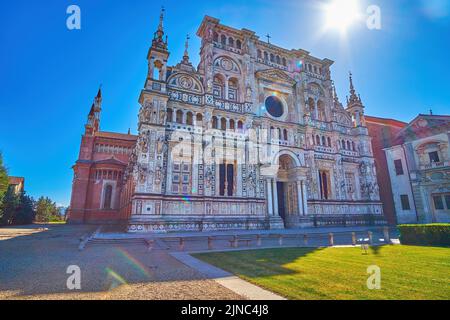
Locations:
99 172
383 132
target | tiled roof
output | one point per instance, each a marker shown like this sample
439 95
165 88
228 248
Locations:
115 135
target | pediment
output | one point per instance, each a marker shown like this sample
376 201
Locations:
275 75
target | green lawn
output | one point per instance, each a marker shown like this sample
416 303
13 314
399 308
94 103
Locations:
407 272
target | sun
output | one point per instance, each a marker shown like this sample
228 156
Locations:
341 14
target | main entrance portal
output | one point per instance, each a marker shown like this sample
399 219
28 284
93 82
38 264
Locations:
287 193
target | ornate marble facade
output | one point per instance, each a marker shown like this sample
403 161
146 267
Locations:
254 137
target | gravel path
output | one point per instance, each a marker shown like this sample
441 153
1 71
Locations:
33 265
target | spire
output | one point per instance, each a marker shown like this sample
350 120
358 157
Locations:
354 98
158 41
336 101
186 50
93 121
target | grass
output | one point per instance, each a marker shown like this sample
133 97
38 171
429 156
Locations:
407 272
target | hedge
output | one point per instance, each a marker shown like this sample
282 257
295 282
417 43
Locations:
425 234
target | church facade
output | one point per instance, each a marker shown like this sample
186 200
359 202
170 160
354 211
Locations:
255 137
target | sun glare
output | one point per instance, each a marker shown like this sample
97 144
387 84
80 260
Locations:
341 14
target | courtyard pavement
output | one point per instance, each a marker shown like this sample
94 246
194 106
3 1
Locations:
34 260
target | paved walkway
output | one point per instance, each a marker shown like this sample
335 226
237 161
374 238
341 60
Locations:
226 279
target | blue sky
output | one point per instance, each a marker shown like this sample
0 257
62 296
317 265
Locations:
49 75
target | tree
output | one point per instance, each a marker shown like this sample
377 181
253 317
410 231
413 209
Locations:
46 210
25 212
9 207
4 182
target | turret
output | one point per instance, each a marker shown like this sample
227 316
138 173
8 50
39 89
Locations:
158 53
355 106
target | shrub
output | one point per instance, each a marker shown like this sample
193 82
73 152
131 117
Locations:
426 234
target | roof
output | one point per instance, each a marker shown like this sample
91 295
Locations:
425 125
115 135
111 161
16 180
386 121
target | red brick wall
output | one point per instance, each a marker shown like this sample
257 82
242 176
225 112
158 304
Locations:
86 206
383 132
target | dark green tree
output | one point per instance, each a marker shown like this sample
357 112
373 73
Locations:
25 212
3 178
9 207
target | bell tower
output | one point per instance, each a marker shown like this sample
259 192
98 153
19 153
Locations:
158 55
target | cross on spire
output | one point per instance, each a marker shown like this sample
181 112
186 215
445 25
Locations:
161 19
268 38
186 51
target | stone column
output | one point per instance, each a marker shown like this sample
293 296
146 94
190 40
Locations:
226 89
300 199
174 115
269 198
305 198
275 197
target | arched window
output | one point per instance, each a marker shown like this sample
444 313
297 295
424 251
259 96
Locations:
157 68
329 141
199 119
272 58
240 125
323 141
231 42
233 89
223 124
169 115
232 124
311 107
266 56
315 69
353 146
189 119
179 116
313 139
215 122
216 37
343 144
321 110
259 54
309 68
285 135
223 40
107 197
349 146
284 62
278 59
239 44
218 86
318 140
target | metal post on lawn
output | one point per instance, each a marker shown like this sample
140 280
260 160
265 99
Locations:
280 239
370 233
353 238
331 238
305 239
386 234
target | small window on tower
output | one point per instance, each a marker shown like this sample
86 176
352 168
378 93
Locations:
398 167
434 157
